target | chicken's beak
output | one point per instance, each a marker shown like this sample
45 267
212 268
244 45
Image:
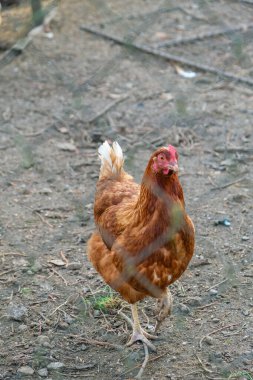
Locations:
173 166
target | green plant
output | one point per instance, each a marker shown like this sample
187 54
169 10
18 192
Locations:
106 302
26 292
239 374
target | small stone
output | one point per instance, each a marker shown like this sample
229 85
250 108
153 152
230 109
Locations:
63 325
43 372
96 313
245 238
37 267
57 262
198 321
74 266
215 357
216 320
55 365
46 191
83 347
47 345
18 312
46 286
85 290
90 275
117 324
194 301
43 340
68 319
247 362
173 358
65 146
183 308
246 313
25 370
22 328
209 340
213 292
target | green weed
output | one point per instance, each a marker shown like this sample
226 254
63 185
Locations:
240 374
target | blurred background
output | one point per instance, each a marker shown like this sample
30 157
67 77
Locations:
144 73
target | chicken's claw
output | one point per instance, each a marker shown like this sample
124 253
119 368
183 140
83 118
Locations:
164 305
142 336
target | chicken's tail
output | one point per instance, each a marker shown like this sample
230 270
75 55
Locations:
111 159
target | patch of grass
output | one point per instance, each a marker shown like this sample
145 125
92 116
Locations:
107 302
40 358
27 156
26 292
104 300
238 47
181 105
240 374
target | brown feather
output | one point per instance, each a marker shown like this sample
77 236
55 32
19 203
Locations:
145 239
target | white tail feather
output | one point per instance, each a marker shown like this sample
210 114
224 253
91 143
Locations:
104 152
111 158
117 150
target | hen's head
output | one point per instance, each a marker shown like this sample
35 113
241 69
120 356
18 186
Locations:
165 161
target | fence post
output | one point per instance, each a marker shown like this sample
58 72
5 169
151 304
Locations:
38 14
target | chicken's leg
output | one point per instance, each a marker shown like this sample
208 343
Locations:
164 308
138 333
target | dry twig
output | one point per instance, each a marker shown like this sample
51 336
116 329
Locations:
64 258
219 283
58 307
6 272
239 149
208 305
215 331
43 219
12 254
127 319
145 362
95 342
203 365
106 109
200 263
203 36
228 184
171 57
151 360
59 275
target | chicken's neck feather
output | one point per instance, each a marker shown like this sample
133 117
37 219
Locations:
159 193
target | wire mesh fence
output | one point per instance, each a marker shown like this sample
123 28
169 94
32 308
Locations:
145 74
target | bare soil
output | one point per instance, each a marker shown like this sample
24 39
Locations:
59 100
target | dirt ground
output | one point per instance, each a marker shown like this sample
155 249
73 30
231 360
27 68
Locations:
59 100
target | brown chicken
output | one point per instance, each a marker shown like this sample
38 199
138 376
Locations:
144 239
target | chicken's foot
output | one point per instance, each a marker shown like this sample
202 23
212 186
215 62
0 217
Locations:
138 333
164 305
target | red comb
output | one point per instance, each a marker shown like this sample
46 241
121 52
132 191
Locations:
172 151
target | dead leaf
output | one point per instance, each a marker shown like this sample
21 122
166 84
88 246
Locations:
161 36
69 147
185 74
63 130
115 96
57 262
7 114
166 96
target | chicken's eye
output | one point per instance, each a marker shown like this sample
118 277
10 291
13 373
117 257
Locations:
161 157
